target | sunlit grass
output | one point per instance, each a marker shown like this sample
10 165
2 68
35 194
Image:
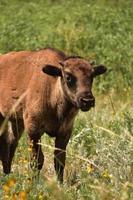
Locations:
99 160
99 163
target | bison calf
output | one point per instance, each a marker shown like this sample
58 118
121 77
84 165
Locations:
42 91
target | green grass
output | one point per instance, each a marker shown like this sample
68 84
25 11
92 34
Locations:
99 162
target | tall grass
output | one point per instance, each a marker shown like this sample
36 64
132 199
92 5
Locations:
100 30
100 153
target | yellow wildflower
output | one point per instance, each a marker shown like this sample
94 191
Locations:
22 195
106 174
6 197
31 143
40 197
11 182
6 188
29 149
25 161
90 168
14 197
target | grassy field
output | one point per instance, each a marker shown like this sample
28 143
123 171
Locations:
99 162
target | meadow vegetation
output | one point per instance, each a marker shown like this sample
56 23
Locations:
99 162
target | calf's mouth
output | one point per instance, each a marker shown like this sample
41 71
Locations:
85 104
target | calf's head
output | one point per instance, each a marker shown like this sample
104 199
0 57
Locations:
77 76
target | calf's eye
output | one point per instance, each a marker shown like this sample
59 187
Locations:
70 79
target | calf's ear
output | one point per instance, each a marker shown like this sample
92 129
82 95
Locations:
100 69
52 70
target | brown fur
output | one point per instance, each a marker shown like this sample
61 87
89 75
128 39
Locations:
39 103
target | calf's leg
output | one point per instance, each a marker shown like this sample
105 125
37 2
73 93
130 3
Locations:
8 143
5 151
37 157
16 131
31 126
60 155
4 145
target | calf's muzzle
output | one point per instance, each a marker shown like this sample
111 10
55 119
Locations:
86 101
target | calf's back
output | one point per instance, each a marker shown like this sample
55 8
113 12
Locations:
21 74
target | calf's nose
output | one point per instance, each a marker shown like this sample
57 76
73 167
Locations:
89 100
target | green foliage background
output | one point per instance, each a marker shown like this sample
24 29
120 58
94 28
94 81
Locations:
100 30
